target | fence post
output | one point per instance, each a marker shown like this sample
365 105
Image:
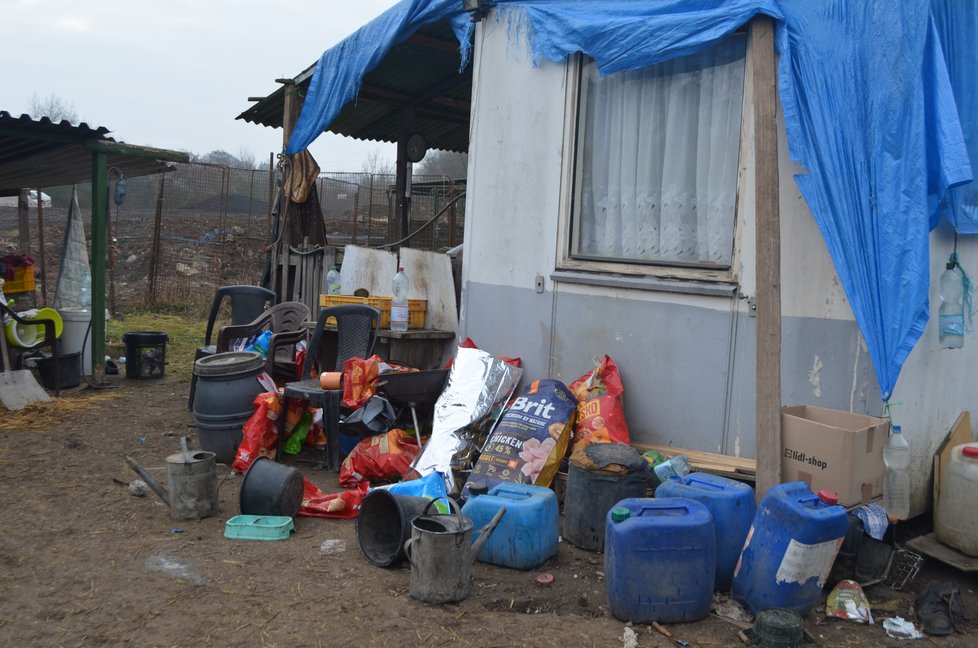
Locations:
154 254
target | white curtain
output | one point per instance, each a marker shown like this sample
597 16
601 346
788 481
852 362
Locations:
659 159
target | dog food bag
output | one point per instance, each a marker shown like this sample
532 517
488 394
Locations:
531 438
601 414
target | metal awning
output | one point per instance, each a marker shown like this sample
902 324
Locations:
422 72
43 153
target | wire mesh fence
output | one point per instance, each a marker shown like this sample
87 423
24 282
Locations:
178 236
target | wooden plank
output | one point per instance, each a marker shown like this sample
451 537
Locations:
929 545
707 461
959 433
767 235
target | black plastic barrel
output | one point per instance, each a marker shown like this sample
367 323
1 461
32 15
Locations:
590 495
145 354
227 384
271 488
384 525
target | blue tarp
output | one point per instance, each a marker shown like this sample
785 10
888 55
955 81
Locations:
957 30
868 105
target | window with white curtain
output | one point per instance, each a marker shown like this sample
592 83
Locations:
656 161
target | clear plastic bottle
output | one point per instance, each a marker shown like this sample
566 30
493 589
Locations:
896 481
952 309
333 281
399 305
86 291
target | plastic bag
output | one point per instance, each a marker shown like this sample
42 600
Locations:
375 417
468 343
260 343
847 601
431 485
345 504
260 434
379 458
360 380
600 413
293 444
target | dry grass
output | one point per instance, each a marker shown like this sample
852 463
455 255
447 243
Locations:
44 416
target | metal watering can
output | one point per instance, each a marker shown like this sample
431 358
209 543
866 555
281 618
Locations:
441 553
192 478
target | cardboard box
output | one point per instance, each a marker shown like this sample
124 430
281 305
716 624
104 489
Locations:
838 451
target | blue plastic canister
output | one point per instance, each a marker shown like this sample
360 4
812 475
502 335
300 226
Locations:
790 549
732 504
659 560
527 534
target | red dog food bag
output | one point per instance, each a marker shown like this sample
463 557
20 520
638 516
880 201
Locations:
600 410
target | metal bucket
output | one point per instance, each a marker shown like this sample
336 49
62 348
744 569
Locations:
441 554
270 488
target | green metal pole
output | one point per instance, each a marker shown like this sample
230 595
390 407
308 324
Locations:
100 205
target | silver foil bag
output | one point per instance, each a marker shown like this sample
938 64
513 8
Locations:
479 386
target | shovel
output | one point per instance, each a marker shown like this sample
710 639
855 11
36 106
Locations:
18 388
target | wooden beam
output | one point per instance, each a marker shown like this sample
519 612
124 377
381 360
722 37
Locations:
768 256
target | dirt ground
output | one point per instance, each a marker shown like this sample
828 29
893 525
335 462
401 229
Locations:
83 563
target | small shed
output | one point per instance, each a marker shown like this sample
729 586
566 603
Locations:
42 153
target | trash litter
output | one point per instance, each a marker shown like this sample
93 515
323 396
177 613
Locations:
137 488
904 568
345 504
628 638
848 601
545 580
726 607
900 628
332 547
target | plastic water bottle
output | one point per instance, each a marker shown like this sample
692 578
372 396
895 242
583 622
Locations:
399 305
86 291
333 281
952 310
896 482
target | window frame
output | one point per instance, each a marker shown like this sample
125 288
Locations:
570 194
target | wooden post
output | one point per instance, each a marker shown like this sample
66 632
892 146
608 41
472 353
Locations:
768 256
154 255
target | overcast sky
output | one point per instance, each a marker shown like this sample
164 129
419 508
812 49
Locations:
175 73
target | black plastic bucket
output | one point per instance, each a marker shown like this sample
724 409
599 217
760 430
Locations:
589 496
69 367
384 525
271 488
145 354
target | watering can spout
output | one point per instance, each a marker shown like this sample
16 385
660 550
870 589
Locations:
485 532
157 488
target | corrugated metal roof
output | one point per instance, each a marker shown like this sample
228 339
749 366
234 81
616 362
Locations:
44 153
422 71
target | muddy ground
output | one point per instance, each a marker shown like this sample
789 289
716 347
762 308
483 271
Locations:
84 563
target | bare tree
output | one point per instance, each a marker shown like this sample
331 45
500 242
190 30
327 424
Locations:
443 163
53 107
376 163
247 159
